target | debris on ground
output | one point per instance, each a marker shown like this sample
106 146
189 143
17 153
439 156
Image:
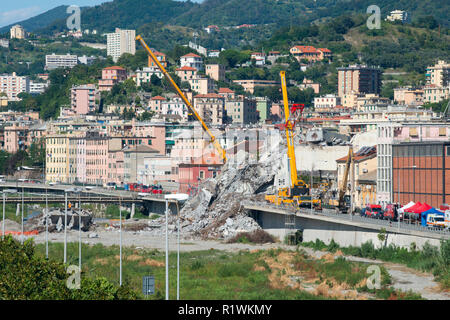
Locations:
55 219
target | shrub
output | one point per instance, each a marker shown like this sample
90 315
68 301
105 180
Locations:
24 275
257 236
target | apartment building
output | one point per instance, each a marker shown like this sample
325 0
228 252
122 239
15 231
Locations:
434 93
192 60
211 107
310 53
358 79
54 61
439 74
12 85
111 76
175 106
215 71
161 59
409 96
328 101
17 32
84 99
242 110
398 15
120 42
38 87
202 85
263 106
186 73
362 175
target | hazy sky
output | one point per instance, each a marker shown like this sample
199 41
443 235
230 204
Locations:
18 10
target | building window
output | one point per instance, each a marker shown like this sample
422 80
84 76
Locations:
201 174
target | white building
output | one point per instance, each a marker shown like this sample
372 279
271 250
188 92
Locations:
55 61
192 60
328 101
38 87
13 85
398 15
17 32
120 42
86 60
4 43
175 106
145 75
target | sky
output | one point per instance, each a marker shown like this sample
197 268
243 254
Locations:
18 10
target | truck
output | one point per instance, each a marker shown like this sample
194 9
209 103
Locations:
391 212
435 221
373 211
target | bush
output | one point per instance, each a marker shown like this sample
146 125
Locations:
257 236
24 275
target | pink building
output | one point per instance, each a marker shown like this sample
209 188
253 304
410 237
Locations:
15 138
155 133
155 104
111 76
84 99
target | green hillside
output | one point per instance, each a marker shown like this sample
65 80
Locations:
135 13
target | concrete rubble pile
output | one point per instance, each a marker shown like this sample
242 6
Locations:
55 220
216 212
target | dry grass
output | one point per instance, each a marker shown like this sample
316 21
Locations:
151 263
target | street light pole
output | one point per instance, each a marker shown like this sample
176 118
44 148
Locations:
311 186
46 221
79 230
120 244
21 237
178 254
65 227
167 249
3 221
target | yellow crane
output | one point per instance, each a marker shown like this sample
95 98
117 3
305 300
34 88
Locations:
342 204
213 140
296 193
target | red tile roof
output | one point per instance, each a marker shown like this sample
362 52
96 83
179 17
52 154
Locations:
191 55
114 68
225 90
306 49
358 157
186 68
158 98
209 95
324 50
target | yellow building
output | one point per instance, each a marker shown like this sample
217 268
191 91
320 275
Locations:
363 176
57 162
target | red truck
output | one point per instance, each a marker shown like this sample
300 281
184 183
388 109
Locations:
391 213
373 211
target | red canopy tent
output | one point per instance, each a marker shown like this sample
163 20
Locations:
414 207
424 207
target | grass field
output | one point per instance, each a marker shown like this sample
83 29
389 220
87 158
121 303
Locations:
214 274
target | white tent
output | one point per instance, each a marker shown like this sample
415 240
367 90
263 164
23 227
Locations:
409 205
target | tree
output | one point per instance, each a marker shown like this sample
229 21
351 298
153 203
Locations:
155 80
24 275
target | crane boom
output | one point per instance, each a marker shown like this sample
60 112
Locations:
289 133
185 100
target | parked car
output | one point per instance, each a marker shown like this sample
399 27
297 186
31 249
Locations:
374 211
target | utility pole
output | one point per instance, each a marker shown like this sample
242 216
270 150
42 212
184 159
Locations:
21 238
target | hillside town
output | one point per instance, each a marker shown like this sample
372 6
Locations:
89 143
275 149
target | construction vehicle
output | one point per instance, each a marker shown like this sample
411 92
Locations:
213 140
297 193
342 203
